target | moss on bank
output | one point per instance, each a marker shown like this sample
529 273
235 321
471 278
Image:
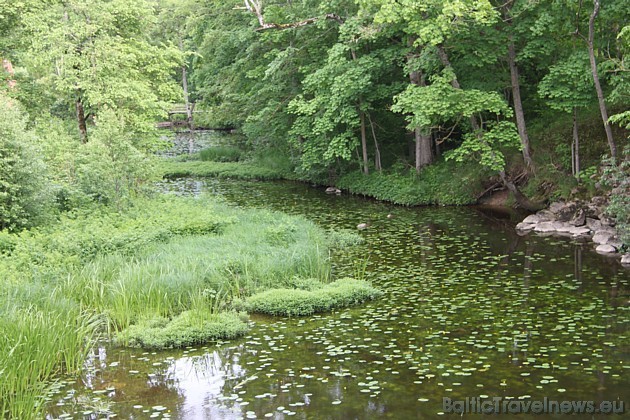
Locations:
186 329
317 298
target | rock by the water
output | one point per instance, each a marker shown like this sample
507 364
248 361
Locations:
333 190
362 226
602 237
606 249
593 224
579 218
616 243
563 211
545 227
525 226
579 231
532 219
546 216
625 260
563 226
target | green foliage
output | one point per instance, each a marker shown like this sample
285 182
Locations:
186 329
550 183
443 183
221 154
569 83
24 199
617 177
100 54
486 146
49 252
297 302
172 169
343 238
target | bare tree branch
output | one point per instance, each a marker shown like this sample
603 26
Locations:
256 7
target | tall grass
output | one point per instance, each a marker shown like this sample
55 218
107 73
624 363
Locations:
38 342
221 154
167 272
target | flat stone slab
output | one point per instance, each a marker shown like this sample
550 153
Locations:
579 231
533 219
602 237
562 226
545 227
606 249
525 226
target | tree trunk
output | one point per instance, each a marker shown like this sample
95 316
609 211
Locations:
518 106
575 147
377 149
366 169
520 198
423 150
81 120
598 87
189 108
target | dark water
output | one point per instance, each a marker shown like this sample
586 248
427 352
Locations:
470 310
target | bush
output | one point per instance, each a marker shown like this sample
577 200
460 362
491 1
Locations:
24 199
617 177
221 154
186 329
299 302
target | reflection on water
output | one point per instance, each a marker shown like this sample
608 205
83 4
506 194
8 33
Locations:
471 309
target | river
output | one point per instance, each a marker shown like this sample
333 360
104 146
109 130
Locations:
470 309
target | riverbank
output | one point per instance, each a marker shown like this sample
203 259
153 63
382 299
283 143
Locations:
445 183
163 272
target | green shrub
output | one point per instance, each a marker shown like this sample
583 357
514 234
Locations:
617 177
186 329
443 183
298 302
24 199
221 154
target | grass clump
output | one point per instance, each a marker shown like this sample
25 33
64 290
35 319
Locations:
236 170
221 154
186 329
298 302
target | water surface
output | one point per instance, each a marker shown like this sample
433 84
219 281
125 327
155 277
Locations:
470 309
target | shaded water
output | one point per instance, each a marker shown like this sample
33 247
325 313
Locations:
470 309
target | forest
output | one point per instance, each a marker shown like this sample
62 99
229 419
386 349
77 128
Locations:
410 102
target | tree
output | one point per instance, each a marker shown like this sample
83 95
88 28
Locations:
568 87
91 55
596 81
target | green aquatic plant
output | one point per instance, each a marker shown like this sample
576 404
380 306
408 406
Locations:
186 329
237 170
299 302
